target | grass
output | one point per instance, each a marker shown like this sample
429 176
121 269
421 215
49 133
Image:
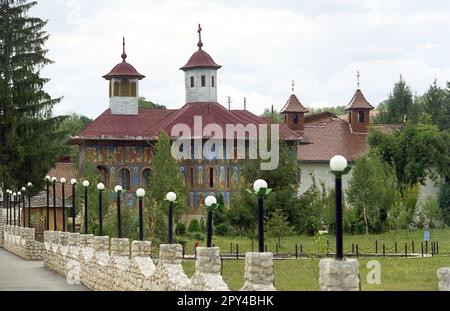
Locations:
412 274
366 243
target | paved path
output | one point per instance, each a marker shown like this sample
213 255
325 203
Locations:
17 274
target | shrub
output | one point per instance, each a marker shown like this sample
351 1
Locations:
194 226
198 236
222 229
180 229
202 226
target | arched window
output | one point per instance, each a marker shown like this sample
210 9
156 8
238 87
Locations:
295 118
104 175
192 82
116 88
125 88
213 81
133 89
146 176
203 81
125 178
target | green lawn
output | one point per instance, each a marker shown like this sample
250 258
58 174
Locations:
319 244
303 274
412 274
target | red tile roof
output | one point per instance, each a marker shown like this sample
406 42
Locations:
322 117
123 70
359 102
149 123
329 139
200 59
293 105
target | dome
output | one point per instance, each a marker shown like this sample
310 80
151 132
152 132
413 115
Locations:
200 59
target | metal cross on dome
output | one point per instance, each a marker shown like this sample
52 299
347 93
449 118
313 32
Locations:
200 44
357 78
293 86
124 55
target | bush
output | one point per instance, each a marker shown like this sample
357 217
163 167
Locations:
222 229
198 236
202 226
180 229
194 226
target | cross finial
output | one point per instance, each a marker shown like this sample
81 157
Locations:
199 44
124 55
357 78
293 86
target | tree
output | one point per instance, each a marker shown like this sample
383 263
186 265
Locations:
277 225
166 176
415 152
30 136
372 191
444 200
72 125
338 110
431 213
397 105
284 181
277 117
435 102
143 103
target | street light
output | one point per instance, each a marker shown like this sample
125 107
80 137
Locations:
24 190
47 183
73 182
210 202
338 166
118 189
14 195
261 189
55 225
19 198
85 185
171 197
29 185
63 184
100 188
140 193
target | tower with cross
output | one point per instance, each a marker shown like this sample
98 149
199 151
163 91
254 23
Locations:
124 86
200 73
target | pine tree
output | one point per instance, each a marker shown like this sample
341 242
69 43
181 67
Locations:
435 99
166 176
30 136
398 104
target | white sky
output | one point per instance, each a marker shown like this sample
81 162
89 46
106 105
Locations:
262 46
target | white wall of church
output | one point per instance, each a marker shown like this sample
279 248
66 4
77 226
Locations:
321 172
123 105
207 93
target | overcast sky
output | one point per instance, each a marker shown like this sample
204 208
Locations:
262 46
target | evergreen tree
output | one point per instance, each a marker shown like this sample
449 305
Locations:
435 99
397 105
30 137
166 176
277 225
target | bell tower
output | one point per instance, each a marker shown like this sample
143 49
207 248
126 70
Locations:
124 87
200 75
294 112
359 111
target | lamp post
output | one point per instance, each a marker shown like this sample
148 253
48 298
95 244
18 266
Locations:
19 198
338 166
171 197
73 182
100 188
63 194
140 193
85 185
261 190
118 189
210 202
24 190
7 206
47 207
29 185
55 225
14 206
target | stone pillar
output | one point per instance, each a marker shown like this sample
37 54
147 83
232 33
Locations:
170 254
101 244
207 270
258 272
63 238
140 248
339 275
444 279
169 274
48 239
120 247
86 240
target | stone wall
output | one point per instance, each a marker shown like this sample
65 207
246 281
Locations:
444 279
21 241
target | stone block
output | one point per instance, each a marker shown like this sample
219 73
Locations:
444 279
339 275
259 274
120 247
141 248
